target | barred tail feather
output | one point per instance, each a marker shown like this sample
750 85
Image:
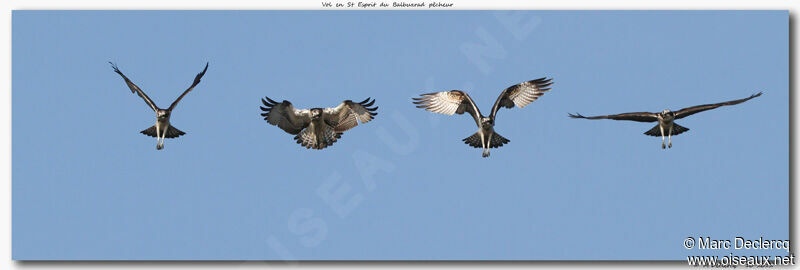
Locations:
474 140
311 140
173 132
676 129
151 131
498 141
655 131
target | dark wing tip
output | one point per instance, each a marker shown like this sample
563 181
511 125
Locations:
115 67
200 75
273 103
268 102
421 98
421 101
367 104
543 82
576 115
757 94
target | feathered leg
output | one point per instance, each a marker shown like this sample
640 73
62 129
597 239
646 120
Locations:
663 146
163 137
670 136
483 146
489 144
159 144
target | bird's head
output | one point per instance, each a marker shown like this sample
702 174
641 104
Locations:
487 121
162 114
316 113
667 114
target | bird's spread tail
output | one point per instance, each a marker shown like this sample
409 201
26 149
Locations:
498 140
172 132
676 129
151 131
655 131
475 140
326 137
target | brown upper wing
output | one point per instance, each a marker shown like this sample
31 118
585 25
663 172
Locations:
135 89
634 116
196 81
696 109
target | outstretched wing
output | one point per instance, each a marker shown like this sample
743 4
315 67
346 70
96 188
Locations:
696 109
196 81
522 94
348 114
634 116
135 89
285 116
449 102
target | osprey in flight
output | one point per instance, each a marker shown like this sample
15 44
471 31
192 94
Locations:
666 125
317 128
455 101
162 129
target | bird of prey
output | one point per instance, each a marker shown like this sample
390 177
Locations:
162 129
317 128
458 102
666 119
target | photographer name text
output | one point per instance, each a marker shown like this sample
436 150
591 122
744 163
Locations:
735 243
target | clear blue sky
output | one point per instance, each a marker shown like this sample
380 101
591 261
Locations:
87 185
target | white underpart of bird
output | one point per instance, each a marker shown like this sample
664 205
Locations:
486 130
162 126
670 135
159 145
665 125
